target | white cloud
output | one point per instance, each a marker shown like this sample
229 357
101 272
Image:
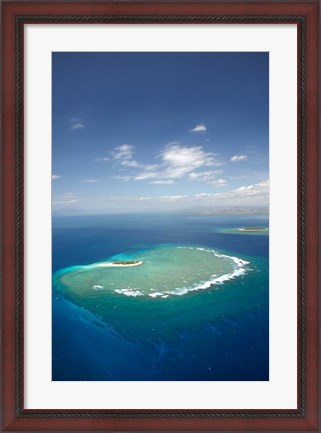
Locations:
124 178
91 180
249 195
103 158
164 198
255 195
242 177
130 163
147 175
238 158
69 195
55 176
181 160
200 128
173 198
258 191
64 202
206 176
163 182
219 182
125 151
76 125
203 194
176 161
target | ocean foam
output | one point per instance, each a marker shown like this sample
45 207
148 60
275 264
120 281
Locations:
155 294
129 292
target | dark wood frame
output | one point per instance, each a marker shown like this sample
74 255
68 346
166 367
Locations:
306 417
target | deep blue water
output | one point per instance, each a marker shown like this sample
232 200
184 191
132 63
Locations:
228 341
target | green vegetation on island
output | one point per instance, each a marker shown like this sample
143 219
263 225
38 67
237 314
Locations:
127 262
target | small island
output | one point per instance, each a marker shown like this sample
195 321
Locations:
120 263
253 229
127 262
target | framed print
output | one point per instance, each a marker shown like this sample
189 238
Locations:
160 216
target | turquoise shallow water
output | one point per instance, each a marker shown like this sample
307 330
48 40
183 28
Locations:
201 312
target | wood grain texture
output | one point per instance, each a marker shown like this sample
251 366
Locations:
306 417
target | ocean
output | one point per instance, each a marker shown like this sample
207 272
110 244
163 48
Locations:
196 309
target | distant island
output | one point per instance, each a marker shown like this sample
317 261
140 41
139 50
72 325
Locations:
235 211
253 229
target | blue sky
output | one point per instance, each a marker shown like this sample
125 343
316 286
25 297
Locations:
159 131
